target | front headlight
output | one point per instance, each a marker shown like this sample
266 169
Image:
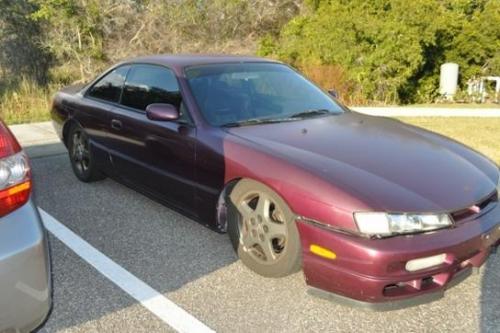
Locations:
386 224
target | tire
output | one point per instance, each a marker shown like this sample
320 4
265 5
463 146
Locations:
262 230
81 158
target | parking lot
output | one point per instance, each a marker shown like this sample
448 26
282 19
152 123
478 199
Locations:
195 269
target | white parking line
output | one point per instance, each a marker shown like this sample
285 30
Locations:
162 307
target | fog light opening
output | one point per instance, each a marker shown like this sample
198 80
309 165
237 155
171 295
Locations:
424 263
427 281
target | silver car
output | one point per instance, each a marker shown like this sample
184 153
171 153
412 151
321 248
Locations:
25 284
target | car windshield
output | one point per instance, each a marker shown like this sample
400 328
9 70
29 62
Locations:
253 93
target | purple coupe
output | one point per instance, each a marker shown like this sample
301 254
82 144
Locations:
375 212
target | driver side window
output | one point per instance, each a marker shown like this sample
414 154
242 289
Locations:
148 84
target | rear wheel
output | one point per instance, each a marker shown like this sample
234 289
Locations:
263 231
82 160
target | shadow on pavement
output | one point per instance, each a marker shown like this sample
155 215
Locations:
161 247
45 150
490 295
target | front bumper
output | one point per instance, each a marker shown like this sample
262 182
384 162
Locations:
25 284
372 273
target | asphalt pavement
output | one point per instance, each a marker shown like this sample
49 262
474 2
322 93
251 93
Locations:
196 269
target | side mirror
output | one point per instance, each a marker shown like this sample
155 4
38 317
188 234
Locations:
162 112
333 93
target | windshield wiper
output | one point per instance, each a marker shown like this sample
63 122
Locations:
256 121
310 113
293 117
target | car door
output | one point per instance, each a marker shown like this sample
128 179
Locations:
94 112
155 156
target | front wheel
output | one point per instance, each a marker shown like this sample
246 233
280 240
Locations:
81 158
263 231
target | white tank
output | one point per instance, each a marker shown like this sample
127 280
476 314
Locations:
448 80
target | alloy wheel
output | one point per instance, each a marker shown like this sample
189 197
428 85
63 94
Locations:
263 230
80 151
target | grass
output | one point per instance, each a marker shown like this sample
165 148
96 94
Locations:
482 134
437 105
455 105
28 103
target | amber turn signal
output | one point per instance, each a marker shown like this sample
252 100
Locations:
322 252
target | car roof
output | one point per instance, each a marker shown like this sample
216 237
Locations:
180 61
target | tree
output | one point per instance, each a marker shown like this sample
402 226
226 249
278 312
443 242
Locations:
477 47
21 51
74 31
391 50
89 34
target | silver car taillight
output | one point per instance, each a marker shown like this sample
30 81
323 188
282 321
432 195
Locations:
15 173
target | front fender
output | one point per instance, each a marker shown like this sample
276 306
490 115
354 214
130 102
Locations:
306 194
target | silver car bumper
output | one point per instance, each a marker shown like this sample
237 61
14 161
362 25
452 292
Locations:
25 284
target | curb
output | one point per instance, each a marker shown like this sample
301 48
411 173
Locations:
35 133
38 139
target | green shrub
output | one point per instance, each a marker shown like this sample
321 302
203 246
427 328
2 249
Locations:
392 49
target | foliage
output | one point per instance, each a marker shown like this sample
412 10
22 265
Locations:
45 43
28 102
74 29
20 51
371 51
392 49
334 76
93 33
477 47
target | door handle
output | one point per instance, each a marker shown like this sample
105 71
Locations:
116 124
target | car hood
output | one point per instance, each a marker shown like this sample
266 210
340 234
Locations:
386 164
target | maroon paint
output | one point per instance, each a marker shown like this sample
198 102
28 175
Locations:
364 267
325 169
331 183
